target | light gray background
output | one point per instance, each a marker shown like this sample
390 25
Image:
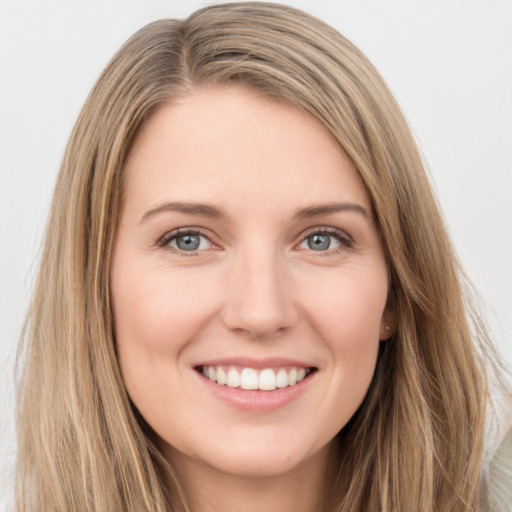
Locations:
449 62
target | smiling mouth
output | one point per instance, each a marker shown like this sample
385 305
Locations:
265 379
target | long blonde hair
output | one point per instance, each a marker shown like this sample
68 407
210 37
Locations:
416 442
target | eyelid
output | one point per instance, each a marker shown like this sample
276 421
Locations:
342 236
331 230
164 241
346 241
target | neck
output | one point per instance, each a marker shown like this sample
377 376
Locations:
210 490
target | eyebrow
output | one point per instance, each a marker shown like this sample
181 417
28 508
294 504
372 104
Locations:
202 210
212 212
327 209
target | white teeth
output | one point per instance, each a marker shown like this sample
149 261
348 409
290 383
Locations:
267 379
248 379
221 376
292 377
233 378
282 378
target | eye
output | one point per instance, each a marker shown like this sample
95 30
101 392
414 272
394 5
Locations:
323 240
186 241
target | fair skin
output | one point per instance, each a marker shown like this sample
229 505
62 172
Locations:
277 270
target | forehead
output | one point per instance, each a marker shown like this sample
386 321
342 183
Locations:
231 145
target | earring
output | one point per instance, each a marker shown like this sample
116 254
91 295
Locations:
387 327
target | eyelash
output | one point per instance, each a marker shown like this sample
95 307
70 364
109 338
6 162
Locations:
173 235
345 241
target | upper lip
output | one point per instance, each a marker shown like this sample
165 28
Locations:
249 362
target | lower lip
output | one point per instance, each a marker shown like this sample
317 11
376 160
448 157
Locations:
255 400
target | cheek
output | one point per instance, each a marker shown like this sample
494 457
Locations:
348 310
157 313
155 309
347 315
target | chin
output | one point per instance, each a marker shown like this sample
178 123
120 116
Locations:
259 465
263 459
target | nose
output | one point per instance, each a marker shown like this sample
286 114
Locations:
259 296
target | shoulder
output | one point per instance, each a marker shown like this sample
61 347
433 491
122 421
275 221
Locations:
498 466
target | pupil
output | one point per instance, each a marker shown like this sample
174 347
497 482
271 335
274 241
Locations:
319 242
188 242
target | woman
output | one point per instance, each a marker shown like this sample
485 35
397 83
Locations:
247 298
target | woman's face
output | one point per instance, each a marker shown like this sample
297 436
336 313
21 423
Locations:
246 256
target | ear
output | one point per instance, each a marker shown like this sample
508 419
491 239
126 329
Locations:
387 325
